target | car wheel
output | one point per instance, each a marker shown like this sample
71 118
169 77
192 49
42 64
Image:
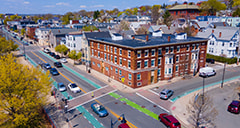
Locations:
159 119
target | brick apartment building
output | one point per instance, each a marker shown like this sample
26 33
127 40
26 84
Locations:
146 59
184 11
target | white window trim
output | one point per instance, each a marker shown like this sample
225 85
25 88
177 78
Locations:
154 63
176 68
166 50
140 54
120 58
160 72
144 63
178 58
120 49
145 52
179 49
114 59
160 60
105 47
161 51
139 78
140 64
172 50
154 52
105 56
188 47
130 64
115 51
129 53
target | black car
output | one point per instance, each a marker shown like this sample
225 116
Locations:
57 56
58 64
54 71
52 54
211 61
47 65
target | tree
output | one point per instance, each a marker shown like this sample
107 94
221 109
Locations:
90 28
167 18
135 11
210 7
96 14
23 31
13 17
74 55
142 30
128 12
5 21
142 10
201 110
236 3
61 49
124 25
7 46
67 17
155 13
23 92
1 16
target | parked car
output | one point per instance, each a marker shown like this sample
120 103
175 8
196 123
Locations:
46 50
211 61
206 72
47 66
61 87
234 107
56 56
57 64
99 109
54 71
52 54
123 125
74 88
166 93
63 60
169 120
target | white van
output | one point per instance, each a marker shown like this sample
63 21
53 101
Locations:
206 72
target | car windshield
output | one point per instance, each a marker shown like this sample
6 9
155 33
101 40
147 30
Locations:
47 64
233 106
53 69
176 124
163 93
61 85
102 108
74 85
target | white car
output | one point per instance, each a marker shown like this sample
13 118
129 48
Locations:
74 88
63 60
61 87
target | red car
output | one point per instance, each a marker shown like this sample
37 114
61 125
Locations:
234 107
124 125
169 120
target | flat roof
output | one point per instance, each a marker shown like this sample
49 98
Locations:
140 41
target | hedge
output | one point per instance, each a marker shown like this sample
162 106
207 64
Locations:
222 59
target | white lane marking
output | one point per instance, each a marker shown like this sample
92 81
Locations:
152 102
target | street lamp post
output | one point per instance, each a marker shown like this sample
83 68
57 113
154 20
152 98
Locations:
24 51
223 74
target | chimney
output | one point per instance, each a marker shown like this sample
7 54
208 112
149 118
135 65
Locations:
220 34
224 24
147 38
59 31
133 37
212 31
98 30
91 30
169 38
168 27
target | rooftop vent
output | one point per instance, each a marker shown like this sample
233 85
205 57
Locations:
181 36
157 33
116 36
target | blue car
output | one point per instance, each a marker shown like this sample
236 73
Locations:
99 109
47 66
54 71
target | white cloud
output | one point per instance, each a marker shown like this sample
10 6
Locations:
62 3
98 6
26 2
49 6
83 6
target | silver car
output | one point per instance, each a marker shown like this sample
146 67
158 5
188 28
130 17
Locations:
61 87
166 93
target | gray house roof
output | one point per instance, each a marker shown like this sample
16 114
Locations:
62 31
227 33
140 41
97 35
164 28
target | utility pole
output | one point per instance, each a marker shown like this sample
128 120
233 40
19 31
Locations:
238 46
203 90
223 74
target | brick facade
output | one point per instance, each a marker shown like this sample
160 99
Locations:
175 60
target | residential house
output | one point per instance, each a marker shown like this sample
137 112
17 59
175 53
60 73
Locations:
147 59
184 11
74 41
55 35
223 41
42 36
30 31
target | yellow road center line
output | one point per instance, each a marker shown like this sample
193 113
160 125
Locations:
113 113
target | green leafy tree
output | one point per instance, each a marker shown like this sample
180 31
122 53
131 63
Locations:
74 55
119 14
67 17
124 25
23 92
90 28
236 3
142 10
7 46
210 7
1 16
96 14
135 11
167 18
13 17
5 21
236 13
23 31
128 12
61 49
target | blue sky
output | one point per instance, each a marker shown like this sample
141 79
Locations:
64 6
